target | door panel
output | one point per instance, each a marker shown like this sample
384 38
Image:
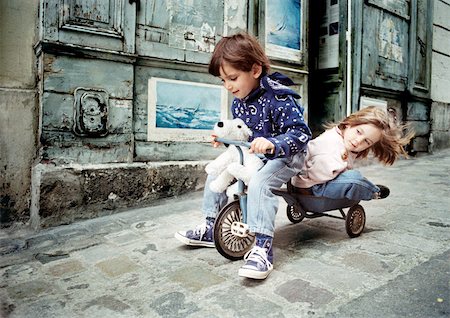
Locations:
182 30
397 7
421 48
101 24
384 49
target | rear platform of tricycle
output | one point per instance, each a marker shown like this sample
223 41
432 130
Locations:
302 206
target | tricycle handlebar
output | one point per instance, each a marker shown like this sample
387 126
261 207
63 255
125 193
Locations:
233 142
238 143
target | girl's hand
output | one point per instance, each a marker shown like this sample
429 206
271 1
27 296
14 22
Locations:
262 145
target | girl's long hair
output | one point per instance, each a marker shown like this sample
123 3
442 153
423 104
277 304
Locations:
394 136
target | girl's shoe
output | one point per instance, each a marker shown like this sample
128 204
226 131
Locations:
383 193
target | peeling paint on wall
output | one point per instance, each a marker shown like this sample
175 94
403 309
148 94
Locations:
235 14
193 26
389 41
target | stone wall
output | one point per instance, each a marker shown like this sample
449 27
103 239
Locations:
19 115
67 193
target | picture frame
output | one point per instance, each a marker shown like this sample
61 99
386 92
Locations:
283 26
184 111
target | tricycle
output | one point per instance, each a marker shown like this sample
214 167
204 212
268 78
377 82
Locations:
232 236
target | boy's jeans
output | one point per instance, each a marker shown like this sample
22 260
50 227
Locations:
213 202
262 204
349 184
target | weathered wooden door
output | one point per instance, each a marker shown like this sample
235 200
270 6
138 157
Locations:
85 54
98 58
393 40
376 50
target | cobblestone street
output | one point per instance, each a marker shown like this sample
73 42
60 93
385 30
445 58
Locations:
130 265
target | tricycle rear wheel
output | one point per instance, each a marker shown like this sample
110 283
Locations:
355 221
294 214
228 244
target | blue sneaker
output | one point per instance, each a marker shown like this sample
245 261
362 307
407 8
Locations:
202 235
258 261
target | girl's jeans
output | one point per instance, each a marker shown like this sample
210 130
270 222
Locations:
262 204
349 184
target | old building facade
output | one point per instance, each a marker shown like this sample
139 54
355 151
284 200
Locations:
108 104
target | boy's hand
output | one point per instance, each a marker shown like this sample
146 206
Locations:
262 145
215 143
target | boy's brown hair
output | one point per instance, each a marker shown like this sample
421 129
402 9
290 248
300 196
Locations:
241 51
393 136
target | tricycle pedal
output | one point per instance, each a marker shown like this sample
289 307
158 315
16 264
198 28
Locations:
240 229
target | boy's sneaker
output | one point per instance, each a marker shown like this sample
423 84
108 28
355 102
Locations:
202 235
257 265
383 193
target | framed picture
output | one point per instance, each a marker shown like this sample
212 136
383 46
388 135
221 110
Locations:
283 29
184 111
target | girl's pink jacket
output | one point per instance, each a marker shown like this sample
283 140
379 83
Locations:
326 158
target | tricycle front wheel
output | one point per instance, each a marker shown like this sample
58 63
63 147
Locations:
227 243
355 221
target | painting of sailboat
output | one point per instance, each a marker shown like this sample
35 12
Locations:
181 109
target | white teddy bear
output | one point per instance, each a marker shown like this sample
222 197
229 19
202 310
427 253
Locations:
227 166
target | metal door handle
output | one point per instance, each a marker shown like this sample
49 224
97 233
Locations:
138 4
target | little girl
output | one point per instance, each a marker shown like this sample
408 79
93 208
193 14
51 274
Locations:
327 168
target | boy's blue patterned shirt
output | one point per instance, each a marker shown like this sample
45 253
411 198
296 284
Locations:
272 112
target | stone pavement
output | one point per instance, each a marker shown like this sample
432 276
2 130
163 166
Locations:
130 265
